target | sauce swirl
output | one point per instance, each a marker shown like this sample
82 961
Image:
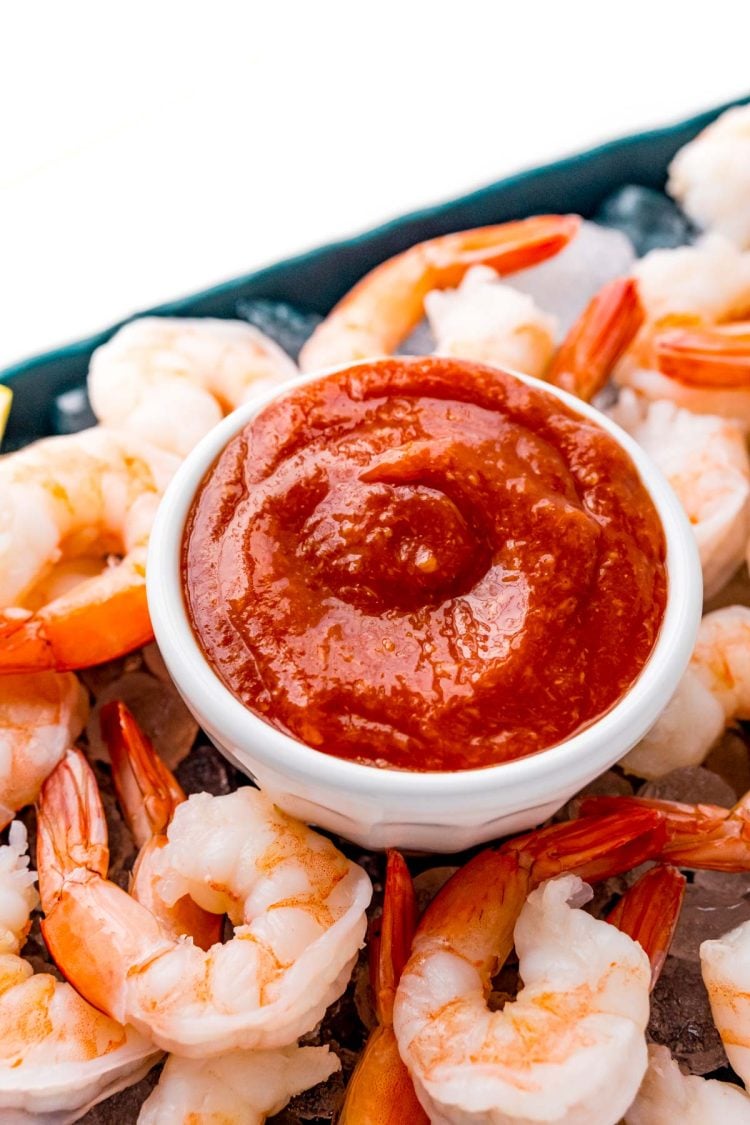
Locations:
424 564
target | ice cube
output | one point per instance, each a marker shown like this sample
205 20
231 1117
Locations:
710 909
315 1106
681 1017
611 783
99 676
364 1001
420 341
649 218
724 886
608 891
429 882
736 592
154 661
287 324
122 847
158 709
342 1030
565 284
691 785
71 412
730 760
206 771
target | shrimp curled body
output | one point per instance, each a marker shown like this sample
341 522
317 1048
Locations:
710 176
40 718
58 1055
170 379
238 1088
667 1094
571 1048
296 903
75 522
713 692
705 460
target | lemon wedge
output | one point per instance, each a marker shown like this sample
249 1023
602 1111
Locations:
6 398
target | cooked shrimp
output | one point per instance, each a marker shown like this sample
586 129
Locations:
238 1088
706 462
296 903
169 380
40 718
666 1094
706 366
716 357
148 794
713 838
651 384
380 1091
706 837
71 507
242 1087
495 323
710 176
380 311
570 1048
688 287
706 283
649 912
576 1029
713 692
486 320
725 966
58 1055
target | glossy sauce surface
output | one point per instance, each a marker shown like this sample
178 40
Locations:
424 564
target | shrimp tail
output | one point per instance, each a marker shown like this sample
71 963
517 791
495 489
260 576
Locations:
593 849
462 1058
72 834
600 336
495 883
94 931
715 357
148 794
383 307
707 837
505 247
147 791
649 913
390 943
380 1091
79 629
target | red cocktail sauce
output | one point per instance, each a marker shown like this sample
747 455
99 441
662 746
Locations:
424 564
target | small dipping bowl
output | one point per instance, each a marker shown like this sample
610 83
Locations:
436 811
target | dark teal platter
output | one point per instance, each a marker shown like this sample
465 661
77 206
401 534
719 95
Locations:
316 280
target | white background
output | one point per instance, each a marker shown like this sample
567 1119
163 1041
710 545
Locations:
151 149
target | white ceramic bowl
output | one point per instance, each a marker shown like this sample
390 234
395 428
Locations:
423 811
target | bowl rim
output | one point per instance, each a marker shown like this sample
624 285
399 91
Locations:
197 681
